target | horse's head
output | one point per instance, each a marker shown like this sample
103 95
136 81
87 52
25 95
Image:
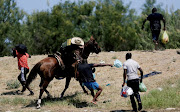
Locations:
92 46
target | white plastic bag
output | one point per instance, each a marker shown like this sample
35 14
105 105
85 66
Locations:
126 91
165 38
117 63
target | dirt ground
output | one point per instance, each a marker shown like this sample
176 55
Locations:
167 62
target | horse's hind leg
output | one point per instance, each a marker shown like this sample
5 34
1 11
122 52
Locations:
83 87
68 79
47 92
31 92
43 87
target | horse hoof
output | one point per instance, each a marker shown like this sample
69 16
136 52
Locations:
38 107
31 94
49 96
61 98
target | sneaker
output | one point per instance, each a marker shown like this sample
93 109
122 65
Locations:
31 93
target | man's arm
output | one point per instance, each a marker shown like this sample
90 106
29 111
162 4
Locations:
164 21
28 55
141 71
14 52
144 23
102 65
124 77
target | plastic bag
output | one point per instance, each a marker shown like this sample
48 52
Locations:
165 38
142 87
126 91
117 63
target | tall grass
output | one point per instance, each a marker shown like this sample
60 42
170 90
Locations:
12 84
168 97
14 101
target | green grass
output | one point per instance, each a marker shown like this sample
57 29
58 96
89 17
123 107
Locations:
12 84
114 57
14 101
75 100
168 97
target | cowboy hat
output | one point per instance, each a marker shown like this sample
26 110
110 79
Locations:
77 41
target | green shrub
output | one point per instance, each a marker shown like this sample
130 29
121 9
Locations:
12 84
168 97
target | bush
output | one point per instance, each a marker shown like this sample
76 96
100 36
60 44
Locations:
12 84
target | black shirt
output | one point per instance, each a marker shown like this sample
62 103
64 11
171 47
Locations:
155 19
85 72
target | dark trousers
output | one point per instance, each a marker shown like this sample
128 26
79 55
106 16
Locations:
22 76
134 84
155 34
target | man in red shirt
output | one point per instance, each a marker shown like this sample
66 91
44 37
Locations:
22 65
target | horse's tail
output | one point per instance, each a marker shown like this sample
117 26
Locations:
33 74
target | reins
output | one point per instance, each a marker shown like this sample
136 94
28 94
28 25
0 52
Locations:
75 69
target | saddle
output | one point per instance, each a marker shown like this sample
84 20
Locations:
57 56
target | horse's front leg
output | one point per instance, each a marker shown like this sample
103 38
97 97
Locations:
81 84
68 79
48 94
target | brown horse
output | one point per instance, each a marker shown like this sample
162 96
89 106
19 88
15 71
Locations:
49 67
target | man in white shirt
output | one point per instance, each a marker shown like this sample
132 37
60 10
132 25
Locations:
130 70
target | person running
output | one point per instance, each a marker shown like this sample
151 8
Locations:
20 52
130 70
85 73
155 25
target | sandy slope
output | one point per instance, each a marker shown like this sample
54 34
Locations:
168 62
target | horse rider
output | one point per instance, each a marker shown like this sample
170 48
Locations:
70 51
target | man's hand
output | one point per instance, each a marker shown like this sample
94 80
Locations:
164 28
14 52
142 27
123 84
140 80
